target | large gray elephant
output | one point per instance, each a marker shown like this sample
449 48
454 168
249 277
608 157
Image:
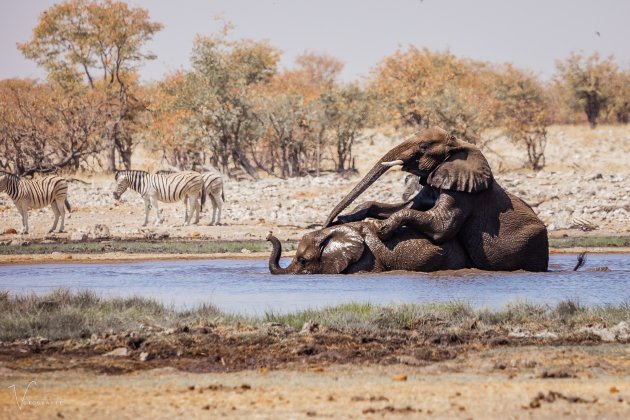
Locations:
460 199
356 247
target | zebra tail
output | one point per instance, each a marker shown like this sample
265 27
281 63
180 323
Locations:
68 205
222 195
203 198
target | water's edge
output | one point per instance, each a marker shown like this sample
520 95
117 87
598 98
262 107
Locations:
245 285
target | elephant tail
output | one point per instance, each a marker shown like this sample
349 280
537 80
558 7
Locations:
581 260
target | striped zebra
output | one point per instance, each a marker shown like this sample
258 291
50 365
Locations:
167 188
35 194
212 187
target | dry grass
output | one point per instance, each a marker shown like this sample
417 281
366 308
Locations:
64 314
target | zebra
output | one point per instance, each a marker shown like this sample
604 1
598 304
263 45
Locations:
168 188
212 187
35 194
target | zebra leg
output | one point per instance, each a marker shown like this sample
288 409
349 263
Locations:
24 213
158 212
147 207
219 208
186 210
189 203
62 211
214 210
197 209
55 210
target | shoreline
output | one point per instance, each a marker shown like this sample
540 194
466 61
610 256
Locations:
122 257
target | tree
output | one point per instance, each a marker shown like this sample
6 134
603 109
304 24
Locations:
291 107
98 43
218 94
424 88
587 83
44 128
523 113
620 101
171 128
346 111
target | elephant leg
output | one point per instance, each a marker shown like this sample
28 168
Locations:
440 223
371 209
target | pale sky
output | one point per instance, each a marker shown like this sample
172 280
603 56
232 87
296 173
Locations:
531 34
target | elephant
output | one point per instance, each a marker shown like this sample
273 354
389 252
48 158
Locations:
412 186
459 199
355 247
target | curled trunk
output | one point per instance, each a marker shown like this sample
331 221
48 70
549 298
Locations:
274 258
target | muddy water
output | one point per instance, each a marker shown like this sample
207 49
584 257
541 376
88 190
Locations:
245 286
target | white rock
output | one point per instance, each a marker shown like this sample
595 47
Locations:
119 352
78 236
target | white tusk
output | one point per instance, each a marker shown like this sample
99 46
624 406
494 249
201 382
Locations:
393 163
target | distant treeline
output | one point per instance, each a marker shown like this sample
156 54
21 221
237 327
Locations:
237 111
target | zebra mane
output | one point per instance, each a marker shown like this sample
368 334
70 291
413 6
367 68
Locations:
11 176
130 172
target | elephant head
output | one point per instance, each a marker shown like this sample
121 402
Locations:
326 251
437 158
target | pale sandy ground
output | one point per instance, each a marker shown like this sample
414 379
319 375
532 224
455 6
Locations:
587 177
499 383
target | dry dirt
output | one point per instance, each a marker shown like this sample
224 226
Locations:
586 177
517 382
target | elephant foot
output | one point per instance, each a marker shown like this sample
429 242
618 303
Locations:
386 228
61 231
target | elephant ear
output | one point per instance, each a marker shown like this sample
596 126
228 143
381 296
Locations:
341 247
465 169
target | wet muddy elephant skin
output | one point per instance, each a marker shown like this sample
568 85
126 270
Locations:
356 247
459 199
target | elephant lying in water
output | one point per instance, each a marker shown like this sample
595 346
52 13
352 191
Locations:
459 199
355 247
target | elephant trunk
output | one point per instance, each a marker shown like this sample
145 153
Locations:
391 158
274 258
